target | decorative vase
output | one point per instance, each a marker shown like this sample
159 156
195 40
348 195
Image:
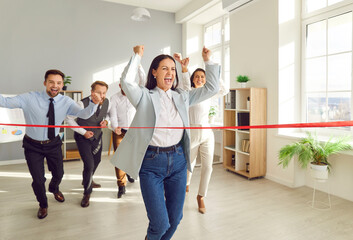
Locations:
319 172
210 119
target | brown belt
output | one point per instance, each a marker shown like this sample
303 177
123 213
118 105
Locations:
40 142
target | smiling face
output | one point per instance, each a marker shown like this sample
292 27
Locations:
53 83
199 79
165 74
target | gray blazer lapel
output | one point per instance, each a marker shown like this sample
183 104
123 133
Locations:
156 101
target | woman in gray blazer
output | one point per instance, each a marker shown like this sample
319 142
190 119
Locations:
156 147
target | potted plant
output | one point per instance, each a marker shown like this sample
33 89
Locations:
212 113
311 150
67 81
243 79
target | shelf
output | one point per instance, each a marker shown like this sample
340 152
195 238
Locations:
242 131
230 168
230 129
245 153
243 172
72 154
231 148
250 109
70 141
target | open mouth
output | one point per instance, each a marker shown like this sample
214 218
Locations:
168 80
54 91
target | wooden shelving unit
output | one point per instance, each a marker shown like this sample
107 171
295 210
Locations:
251 161
70 151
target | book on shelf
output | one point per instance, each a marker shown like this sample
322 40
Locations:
230 100
245 145
244 119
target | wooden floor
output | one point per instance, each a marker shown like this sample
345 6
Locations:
236 209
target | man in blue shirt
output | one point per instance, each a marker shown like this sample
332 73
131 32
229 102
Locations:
47 108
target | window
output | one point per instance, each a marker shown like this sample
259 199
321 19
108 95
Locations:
327 64
313 5
216 38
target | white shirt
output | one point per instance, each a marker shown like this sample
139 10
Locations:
168 117
198 114
121 111
70 120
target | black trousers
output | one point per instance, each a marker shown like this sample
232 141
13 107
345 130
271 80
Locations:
35 154
90 158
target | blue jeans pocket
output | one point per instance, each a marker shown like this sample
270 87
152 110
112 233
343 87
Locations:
180 151
150 155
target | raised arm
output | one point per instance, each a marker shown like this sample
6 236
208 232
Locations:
127 81
211 86
13 102
78 111
141 76
185 83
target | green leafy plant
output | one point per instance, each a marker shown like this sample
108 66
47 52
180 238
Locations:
67 80
311 150
213 111
243 79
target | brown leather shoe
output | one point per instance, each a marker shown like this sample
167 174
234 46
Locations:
85 200
59 196
42 213
95 185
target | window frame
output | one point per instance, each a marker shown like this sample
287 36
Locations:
317 16
222 46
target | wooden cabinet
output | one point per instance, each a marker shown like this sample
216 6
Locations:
244 150
69 147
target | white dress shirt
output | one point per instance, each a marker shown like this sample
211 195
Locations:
121 111
168 117
198 114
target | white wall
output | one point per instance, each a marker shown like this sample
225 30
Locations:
79 37
257 44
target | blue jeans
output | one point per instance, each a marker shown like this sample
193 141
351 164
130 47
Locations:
163 185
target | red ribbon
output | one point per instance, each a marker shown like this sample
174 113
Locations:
293 125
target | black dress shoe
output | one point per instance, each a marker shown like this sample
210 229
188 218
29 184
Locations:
130 178
59 196
95 185
122 191
85 200
42 213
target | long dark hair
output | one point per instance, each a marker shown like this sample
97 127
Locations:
151 81
193 75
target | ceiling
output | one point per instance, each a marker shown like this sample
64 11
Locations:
173 6
161 5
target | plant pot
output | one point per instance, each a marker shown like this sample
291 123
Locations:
243 84
319 171
64 88
211 119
